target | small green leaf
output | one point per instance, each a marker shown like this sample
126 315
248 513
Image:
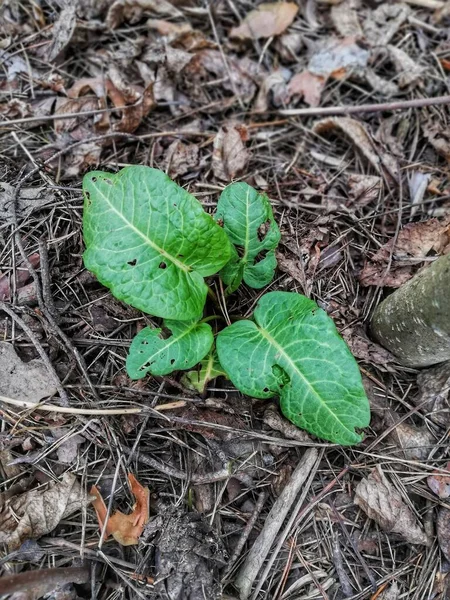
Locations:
150 241
247 218
210 368
151 352
292 349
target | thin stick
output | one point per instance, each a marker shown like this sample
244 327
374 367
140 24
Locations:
88 411
364 108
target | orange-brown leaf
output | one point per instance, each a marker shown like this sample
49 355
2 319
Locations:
265 21
125 529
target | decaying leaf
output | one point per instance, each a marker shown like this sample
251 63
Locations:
359 135
266 20
132 10
439 483
414 243
67 449
434 392
345 18
366 350
443 531
337 58
23 381
63 29
363 189
37 512
29 200
438 136
125 529
308 86
181 158
272 87
408 70
230 156
22 276
383 503
383 23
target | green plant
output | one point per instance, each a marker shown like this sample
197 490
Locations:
153 245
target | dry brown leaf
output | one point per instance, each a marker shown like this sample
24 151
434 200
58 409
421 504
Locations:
390 593
434 392
383 23
383 503
24 381
181 158
167 28
230 156
443 531
132 11
63 30
272 87
125 529
67 450
360 137
345 18
30 200
37 512
439 483
414 242
408 70
363 189
267 20
308 86
337 58
366 350
438 136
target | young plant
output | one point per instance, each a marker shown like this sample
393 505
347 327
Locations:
152 244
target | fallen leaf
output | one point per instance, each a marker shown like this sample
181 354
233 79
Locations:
29 200
408 70
63 30
22 276
337 58
230 156
383 23
132 11
345 18
308 86
438 136
273 87
359 135
443 531
29 381
267 20
363 189
67 450
168 28
439 483
414 243
383 503
364 349
434 393
125 529
181 158
390 593
37 512
289 45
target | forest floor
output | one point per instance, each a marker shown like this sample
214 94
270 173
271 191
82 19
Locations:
363 202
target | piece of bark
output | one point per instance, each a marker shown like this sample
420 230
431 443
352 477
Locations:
414 322
258 553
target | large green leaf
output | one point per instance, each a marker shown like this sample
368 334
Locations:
152 352
150 241
292 349
247 218
198 379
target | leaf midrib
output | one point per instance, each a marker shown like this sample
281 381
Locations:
172 340
152 244
280 349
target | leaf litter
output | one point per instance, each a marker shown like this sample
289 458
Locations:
173 75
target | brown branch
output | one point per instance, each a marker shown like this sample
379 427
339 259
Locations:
364 108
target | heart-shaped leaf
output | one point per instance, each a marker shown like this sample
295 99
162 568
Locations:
151 351
292 349
150 241
247 218
198 379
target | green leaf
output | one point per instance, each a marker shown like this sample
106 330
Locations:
247 218
210 368
150 241
152 352
293 350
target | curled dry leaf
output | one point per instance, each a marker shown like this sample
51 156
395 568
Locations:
308 86
272 87
359 135
267 20
414 242
230 156
125 529
132 11
383 503
439 483
37 512
434 391
181 158
23 381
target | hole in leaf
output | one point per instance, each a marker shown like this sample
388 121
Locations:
162 265
172 360
94 179
260 256
108 181
280 375
132 263
263 229
266 390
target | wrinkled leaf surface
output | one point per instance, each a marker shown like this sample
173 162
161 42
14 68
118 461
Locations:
292 349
